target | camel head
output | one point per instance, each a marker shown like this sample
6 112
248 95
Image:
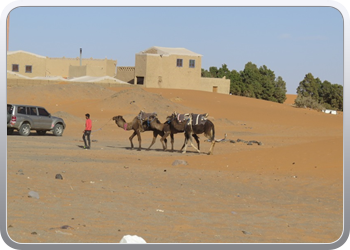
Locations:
118 119
170 117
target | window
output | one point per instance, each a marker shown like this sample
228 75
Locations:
192 63
32 111
21 110
15 67
43 112
28 69
179 62
9 109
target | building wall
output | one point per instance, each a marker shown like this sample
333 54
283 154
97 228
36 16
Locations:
157 71
38 63
46 67
160 71
218 85
94 67
126 74
76 71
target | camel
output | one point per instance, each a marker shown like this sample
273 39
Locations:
207 128
167 129
138 127
173 126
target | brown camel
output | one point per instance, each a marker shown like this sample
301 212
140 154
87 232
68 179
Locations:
167 129
138 127
206 127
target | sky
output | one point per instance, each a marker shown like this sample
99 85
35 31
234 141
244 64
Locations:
291 41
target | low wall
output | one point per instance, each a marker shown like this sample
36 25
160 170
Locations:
218 85
34 82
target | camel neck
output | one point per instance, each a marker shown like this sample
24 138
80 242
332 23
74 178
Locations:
127 126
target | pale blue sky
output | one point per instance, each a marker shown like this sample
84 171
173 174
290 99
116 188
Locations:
291 41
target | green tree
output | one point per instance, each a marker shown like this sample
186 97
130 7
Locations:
324 93
224 71
236 84
213 72
253 82
337 97
251 79
308 87
280 90
267 80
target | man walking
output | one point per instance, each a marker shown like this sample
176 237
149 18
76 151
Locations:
87 131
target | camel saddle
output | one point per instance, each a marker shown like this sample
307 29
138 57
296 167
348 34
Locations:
194 119
199 119
182 117
143 115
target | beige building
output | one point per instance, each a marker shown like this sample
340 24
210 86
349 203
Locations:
178 68
32 65
156 67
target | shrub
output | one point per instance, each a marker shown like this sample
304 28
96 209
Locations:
307 102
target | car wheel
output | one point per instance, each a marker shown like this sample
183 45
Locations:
9 131
41 132
24 129
58 130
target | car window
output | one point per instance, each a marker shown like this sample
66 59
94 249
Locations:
43 112
21 110
32 111
9 109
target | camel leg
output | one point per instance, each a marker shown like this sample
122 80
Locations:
172 142
166 144
189 137
211 147
197 140
185 144
130 139
211 136
163 140
191 141
139 139
195 137
155 134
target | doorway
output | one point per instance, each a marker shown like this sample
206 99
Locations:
139 80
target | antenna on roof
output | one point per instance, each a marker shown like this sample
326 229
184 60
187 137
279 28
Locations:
81 51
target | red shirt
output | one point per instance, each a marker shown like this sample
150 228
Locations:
88 124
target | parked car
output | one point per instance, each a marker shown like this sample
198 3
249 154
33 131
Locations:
25 118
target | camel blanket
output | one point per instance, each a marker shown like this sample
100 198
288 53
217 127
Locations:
182 117
143 115
194 119
199 119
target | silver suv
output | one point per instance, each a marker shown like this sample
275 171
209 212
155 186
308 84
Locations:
25 118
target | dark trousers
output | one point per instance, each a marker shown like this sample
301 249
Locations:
87 134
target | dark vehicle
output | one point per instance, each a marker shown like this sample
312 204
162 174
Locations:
25 118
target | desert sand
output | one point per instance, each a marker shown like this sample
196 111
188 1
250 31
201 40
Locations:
287 189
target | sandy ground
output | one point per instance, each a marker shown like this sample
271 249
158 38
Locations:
289 189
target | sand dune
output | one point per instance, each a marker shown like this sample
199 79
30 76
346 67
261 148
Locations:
288 189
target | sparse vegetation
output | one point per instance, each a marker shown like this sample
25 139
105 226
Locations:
313 91
307 102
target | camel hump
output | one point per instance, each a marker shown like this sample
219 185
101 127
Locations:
143 115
